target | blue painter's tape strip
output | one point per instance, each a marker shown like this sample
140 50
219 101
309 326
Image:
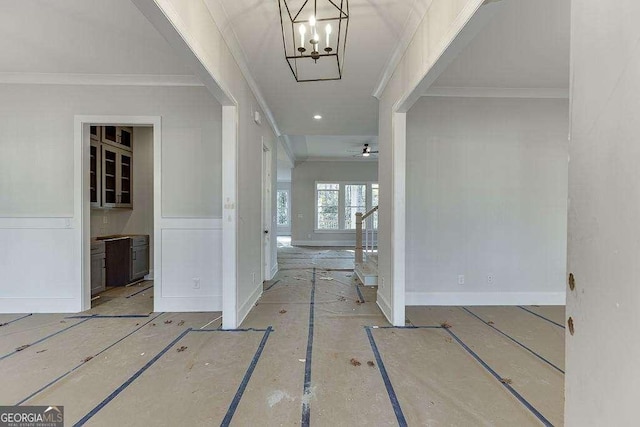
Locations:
517 395
139 292
110 316
247 376
81 364
542 317
15 320
514 340
407 327
306 407
45 338
130 380
402 422
234 330
272 285
359 293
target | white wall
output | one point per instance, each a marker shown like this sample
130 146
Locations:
40 256
604 236
303 183
442 22
197 28
486 196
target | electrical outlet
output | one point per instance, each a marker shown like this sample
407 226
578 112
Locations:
382 282
308 236
461 279
490 279
196 283
253 278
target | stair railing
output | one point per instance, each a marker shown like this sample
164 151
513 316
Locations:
365 231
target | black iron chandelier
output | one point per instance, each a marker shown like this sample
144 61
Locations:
314 37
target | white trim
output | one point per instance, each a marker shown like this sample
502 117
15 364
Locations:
246 307
498 92
229 217
398 228
168 223
384 306
410 28
81 202
339 243
485 298
230 37
99 79
274 270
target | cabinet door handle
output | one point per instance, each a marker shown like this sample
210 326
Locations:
135 255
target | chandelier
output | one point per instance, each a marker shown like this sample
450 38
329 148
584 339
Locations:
314 37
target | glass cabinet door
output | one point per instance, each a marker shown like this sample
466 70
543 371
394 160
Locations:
109 171
94 175
124 193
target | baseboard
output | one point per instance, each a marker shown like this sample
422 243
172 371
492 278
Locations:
149 276
385 307
246 307
39 305
339 243
274 271
485 298
186 304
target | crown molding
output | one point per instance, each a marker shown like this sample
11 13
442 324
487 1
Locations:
99 79
498 92
418 11
221 18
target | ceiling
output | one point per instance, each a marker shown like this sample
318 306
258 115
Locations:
312 147
82 37
347 106
526 45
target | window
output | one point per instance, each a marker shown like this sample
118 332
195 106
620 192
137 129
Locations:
282 203
328 199
355 200
337 204
374 202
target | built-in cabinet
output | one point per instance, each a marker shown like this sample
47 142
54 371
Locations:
98 268
111 164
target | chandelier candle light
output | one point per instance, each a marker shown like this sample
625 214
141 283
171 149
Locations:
308 60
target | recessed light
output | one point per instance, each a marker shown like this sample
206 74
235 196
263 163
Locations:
317 117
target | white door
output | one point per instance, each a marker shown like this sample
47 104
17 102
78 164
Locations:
266 213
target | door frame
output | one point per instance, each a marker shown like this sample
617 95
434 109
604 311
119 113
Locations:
266 211
82 198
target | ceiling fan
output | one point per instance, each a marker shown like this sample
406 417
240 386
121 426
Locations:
365 151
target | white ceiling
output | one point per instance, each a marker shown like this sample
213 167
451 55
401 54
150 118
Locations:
526 45
347 106
82 37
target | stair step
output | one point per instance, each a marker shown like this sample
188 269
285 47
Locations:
367 272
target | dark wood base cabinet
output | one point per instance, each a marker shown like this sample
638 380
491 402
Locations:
118 261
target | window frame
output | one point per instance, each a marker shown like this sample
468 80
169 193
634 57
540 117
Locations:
342 204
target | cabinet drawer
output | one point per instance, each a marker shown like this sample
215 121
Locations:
139 240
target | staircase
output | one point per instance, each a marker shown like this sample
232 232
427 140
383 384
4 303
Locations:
366 259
